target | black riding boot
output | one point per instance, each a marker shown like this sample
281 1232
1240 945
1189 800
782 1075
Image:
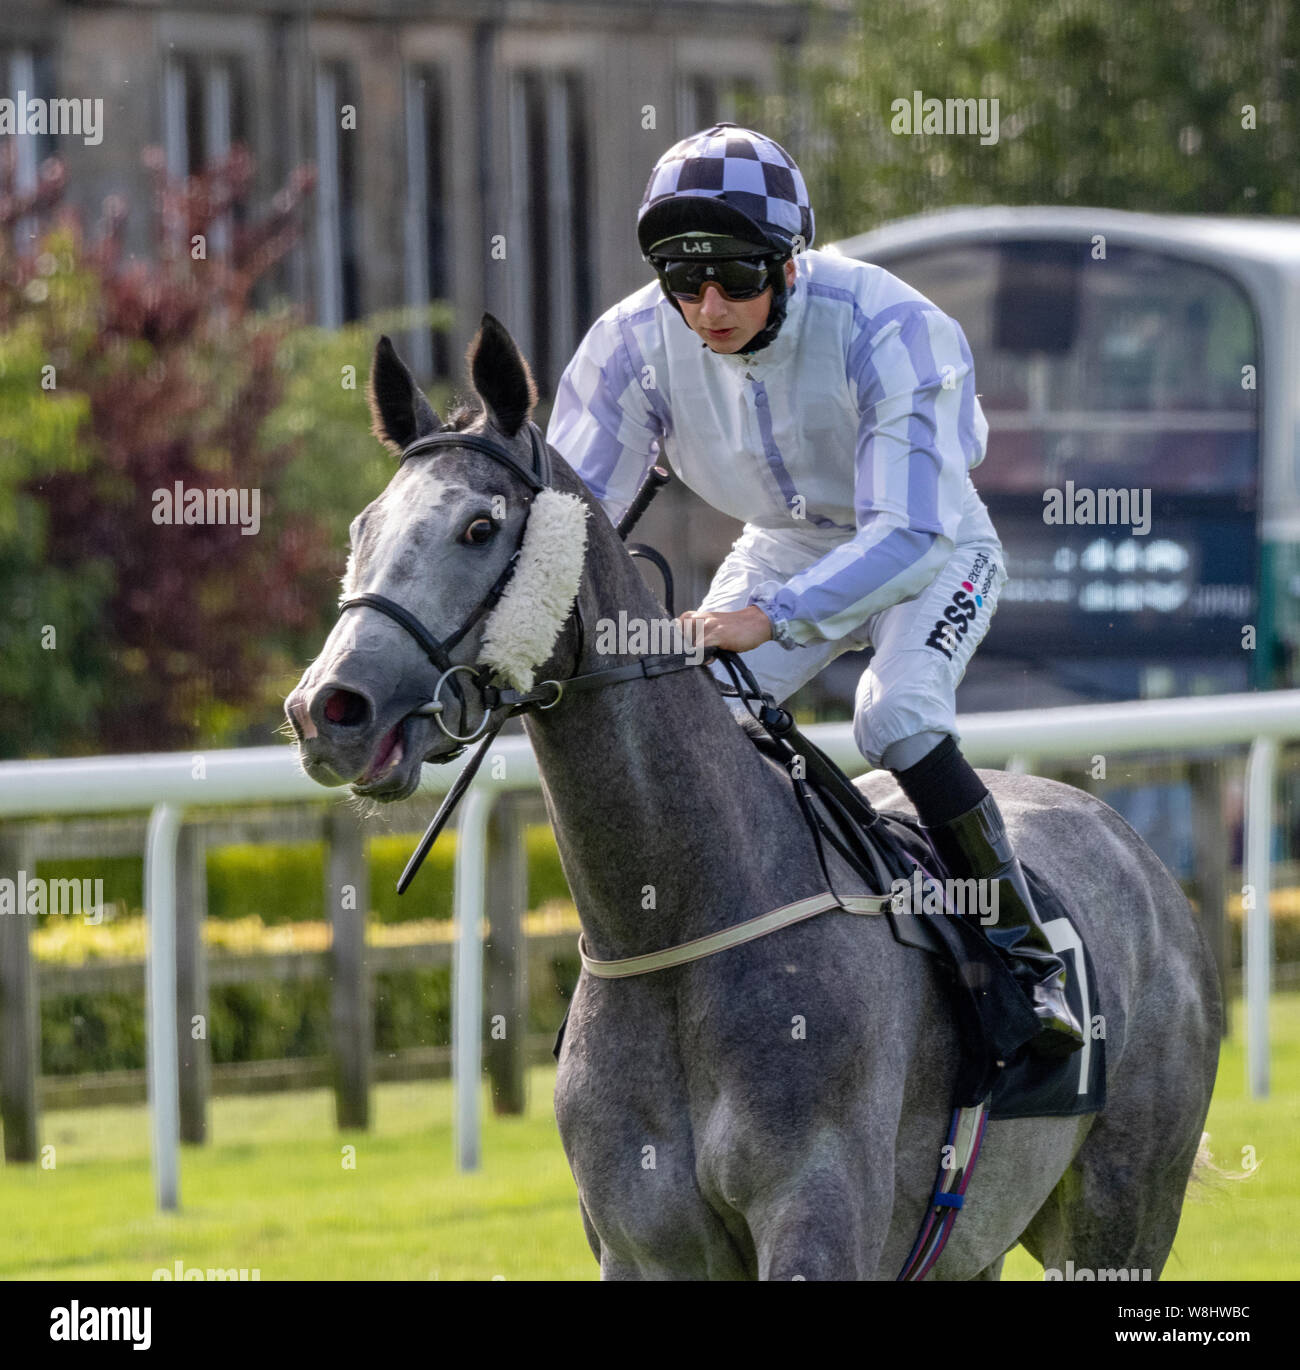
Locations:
975 844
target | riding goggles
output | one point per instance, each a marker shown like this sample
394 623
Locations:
738 278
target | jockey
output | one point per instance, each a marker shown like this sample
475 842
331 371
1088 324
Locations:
832 409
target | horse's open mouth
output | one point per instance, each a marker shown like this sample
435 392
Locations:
394 770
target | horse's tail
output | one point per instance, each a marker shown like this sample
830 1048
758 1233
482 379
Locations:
1206 1172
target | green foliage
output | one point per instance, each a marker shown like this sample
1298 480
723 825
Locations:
96 1032
52 660
412 1008
81 1033
280 883
119 379
323 414
285 882
1100 103
268 1021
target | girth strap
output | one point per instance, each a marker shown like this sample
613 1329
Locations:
747 931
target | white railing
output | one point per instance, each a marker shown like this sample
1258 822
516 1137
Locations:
167 784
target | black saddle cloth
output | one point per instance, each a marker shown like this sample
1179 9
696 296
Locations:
994 1018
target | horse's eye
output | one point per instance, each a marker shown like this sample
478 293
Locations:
479 532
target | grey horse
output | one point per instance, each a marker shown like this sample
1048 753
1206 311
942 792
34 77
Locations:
774 1111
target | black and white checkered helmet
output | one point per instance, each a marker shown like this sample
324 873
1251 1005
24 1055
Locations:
727 179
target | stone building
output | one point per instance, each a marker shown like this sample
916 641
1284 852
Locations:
493 154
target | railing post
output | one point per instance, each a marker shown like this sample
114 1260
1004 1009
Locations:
348 899
467 974
160 996
505 959
192 1019
20 1016
1257 941
1211 866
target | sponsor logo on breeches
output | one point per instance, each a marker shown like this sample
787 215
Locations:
966 602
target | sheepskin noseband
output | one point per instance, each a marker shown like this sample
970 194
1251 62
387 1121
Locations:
522 630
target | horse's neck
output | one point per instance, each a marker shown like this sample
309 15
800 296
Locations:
665 813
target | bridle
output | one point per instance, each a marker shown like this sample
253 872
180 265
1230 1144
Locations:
537 478
494 696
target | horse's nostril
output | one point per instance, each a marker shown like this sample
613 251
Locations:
346 709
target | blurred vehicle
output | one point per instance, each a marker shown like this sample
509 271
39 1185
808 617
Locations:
1137 353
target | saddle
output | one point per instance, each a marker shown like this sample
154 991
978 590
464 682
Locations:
995 1021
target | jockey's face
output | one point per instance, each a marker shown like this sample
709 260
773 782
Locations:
729 325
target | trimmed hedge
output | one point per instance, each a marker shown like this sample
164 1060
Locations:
105 1031
286 883
266 1022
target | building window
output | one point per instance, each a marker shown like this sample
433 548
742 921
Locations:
337 277
703 101
28 71
426 277
203 117
549 246
203 111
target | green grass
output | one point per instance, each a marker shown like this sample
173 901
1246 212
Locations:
270 1191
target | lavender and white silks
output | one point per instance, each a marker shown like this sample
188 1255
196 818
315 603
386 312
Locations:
845 447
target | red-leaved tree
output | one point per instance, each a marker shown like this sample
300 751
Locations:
178 374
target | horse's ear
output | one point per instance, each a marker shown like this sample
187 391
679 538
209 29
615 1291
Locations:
501 377
399 412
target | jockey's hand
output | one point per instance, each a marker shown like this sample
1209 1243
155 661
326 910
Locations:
733 630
